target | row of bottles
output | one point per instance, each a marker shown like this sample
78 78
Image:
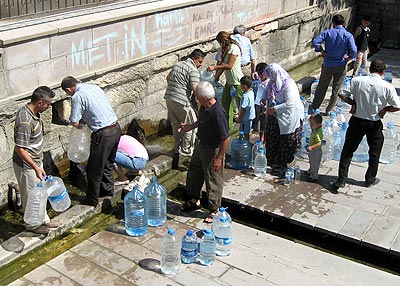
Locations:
145 209
292 175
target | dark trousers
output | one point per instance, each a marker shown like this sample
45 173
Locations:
103 147
357 129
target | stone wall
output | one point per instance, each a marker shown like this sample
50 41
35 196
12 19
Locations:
129 53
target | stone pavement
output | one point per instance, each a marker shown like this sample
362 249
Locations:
113 258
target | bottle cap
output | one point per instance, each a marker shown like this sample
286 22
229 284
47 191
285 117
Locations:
189 233
171 231
207 231
222 209
39 185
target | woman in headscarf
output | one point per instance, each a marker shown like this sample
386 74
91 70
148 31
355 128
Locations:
230 56
285 113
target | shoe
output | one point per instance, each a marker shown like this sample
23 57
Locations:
106 207
106 194
210 217
375 182
42 229
334 190
338 184
121 183
51 224
189 206
311 180
87 203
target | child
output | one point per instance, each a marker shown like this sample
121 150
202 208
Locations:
259 102
247 112
314 148
361 35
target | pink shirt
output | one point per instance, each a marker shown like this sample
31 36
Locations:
130 146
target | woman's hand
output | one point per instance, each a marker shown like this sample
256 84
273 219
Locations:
271 110
211 68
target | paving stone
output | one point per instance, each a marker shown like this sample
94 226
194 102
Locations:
392 212
284 275
376 196
148 277
382 225
21 282
311 212
191 277
236 277
44 275
334 219
357 225
238 188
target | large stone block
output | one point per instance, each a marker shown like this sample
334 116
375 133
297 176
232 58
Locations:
165 62
22 80
70 43
78 63
288 6
176 36
157 82
52 71
25 54
168 20
101 57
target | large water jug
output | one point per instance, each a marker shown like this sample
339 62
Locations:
361 154
241 153
313 89
256 149
79 144
207 76
35 210
339 138
260 164
340 115
389 150
305 139
156 207
57 194
388 76
306 106
135 212
335 124
170 253
327 148
207 248
345 87
189 247
222 228
219 90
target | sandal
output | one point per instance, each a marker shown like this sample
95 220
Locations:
189 206
210 217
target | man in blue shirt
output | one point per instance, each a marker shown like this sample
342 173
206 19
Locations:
339 49
247 59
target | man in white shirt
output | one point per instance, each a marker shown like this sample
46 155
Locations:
372 97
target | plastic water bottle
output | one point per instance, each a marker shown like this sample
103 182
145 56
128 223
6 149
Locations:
389 150
241 153
305 105
256 149
364 70
339 138
361 154
340 116
233 91
222 227
288 177
254 86
297 175
156 206
207 247
388 76
327 149
57 194
135 212
335 123
260 164
313 89
170 253
79 144
207 76
219 90
189 247
35 210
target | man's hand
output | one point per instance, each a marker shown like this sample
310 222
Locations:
382 113
40 173
217 164
184 128
211 68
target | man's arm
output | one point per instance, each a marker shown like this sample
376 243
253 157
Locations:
24 155
388 109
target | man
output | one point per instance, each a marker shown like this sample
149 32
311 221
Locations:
361 35
339 49
28 151
247 60
206 165
373 97
182 81
91 106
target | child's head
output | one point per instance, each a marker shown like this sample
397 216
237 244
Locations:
315 121
245 83
260 67
366 20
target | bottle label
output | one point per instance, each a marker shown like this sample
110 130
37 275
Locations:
59 197
136 213
189 253
224 241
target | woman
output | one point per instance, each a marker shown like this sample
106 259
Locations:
285 114
230 55
131 154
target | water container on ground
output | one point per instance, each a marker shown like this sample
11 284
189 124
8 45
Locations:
339 138
219 90
327 148
222 228
389 150
256 149
156 208
207 248
57 194
340 115
335 124
79 144
241 153
260 164
288 177
313 89
306 106
35 210
170 253
189 247
135 212
388 76
361 154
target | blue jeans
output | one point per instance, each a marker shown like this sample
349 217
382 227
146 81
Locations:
127 162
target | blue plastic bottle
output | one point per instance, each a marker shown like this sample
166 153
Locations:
388 76
156 208
306 106
313 89
233 91
222 228
135 212
241 153
288 177
207 248
219 90
327 149
189 247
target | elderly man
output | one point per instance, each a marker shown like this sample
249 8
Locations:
247 60
206 165
372 97
28 151
182 81
91 105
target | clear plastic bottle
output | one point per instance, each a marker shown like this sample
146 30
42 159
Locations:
313 89
361 154
339 138
189 247
241 153
135 212
222 228
156 207
297 174
327 148
389 150
57 194
288 177
305 106
260 164
207 76
388 76
207 248
340 115
79 144
335 124
256 149
170 253
35 210
364 70
219 90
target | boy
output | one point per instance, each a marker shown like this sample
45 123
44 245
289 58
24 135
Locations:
259 102
361 35
247 112
314 149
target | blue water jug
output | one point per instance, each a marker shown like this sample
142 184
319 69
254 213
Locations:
241 153
233 91
156 196
313 89
306 106
135 212
219 90
222 228
58 195
388 76
189 247
207 248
